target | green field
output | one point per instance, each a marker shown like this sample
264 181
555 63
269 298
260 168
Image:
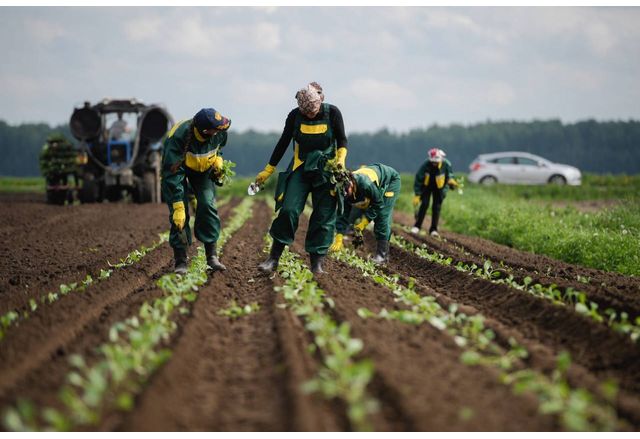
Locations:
22 184
595 225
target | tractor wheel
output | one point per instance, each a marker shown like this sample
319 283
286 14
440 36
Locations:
143 192
57 196
90 190
113 194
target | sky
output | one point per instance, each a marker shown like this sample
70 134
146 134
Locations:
398 68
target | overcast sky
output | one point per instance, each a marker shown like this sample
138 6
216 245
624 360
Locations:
399 68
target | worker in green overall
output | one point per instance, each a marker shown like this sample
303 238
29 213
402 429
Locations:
318 134
432 180
373 189
191 156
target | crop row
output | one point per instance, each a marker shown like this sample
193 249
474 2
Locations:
134 351
577 409
341 374
14 317
618 321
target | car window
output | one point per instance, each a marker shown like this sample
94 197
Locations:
527 162
504 160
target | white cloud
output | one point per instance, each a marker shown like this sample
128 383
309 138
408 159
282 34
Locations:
193 35
600 38
45 31
149 28
389 94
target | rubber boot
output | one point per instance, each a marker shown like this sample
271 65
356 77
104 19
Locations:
180 258
382 252
213 262
271 263
316 263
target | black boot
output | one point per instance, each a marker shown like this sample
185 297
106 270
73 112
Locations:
212 258
180 258
271 263
316 263
382 252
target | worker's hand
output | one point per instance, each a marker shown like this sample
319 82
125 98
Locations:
179 215
216 163
416 200
337 243
453 184
264 174
361 225
341 157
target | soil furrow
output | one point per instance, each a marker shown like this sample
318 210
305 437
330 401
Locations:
231 375
605 288
32 347
418 371
77 240
545 329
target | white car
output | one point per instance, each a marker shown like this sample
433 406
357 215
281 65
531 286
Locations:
521 168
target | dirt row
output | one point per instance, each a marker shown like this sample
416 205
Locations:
608 289
34 354
44 246
420 381
543 328
237 375
246 374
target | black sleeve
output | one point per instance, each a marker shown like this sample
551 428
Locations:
337 125
285 139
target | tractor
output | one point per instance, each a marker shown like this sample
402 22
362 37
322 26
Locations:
117 161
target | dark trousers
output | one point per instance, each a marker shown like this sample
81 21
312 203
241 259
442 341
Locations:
322 222
435 208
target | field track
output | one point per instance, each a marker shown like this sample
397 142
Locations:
246 374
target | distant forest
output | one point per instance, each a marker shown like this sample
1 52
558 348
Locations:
593 146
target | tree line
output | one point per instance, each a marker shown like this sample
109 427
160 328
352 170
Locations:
592 146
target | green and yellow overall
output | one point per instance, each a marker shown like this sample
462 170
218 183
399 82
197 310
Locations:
315 141
186 159
432 180
377 189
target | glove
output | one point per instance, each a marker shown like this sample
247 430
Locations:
216 163
179 215
453 184
416 200
341 157
361 225
337 243
265 174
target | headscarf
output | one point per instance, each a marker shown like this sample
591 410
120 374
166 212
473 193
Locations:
310 98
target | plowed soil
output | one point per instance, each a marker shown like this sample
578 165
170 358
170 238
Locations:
246 374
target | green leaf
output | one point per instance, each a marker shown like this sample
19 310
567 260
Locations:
470 358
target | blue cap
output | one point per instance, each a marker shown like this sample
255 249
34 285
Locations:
209 118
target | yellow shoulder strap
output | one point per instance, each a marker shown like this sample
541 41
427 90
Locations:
175 127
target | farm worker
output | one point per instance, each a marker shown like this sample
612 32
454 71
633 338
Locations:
190 154
433 179
118 128
318 134
374 189
58 160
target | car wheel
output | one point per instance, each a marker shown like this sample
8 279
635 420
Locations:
488 180
558 179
